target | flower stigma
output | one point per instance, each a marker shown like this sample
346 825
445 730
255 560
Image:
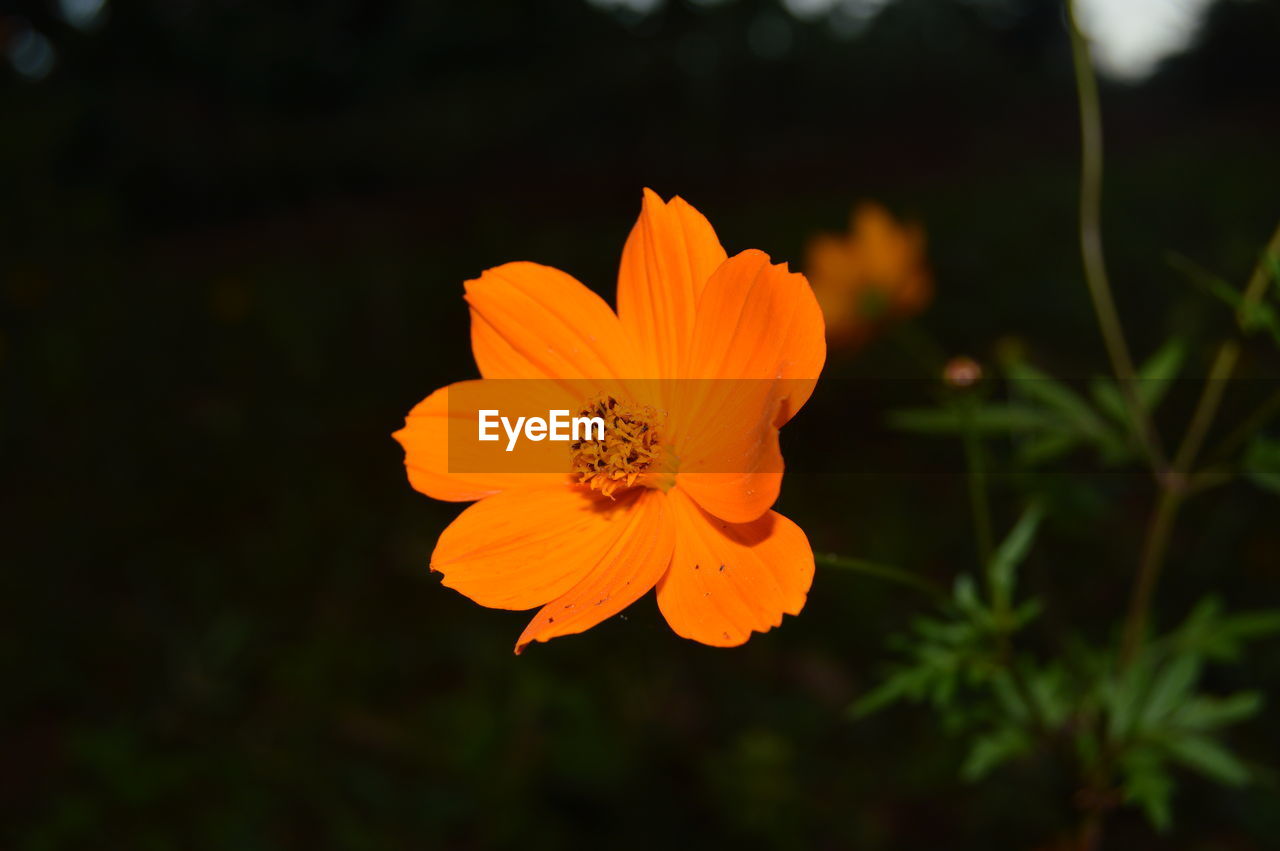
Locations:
629 452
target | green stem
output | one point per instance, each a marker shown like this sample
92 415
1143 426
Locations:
880 571
1153 550
1208 479
1246 429
1207 407
1257 287
975 464
1095 270
1173 490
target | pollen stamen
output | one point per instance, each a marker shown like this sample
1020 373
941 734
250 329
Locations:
629 451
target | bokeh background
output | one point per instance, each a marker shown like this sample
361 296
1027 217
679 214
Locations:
232 244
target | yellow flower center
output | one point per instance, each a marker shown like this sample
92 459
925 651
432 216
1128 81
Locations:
629 452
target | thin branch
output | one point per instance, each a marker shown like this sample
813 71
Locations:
1153 549
1173 491
880 571
1095 270
1252 423
1207 407
1257 286
976 474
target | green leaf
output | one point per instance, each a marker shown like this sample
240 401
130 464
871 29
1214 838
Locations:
1124 696
1053 394
1148 784
1007 696
1170 689
905 683
1053 699
1262 463
993 749
1011 553
1206 713
1046 447
1157 374
1027 612
1257 315
944 632
1209 758
1212 635
988 419
1107 396
967 600
1154 378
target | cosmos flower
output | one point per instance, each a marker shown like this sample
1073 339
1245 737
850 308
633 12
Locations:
874 273
705 359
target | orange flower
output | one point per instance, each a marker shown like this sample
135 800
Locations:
678 495
874 273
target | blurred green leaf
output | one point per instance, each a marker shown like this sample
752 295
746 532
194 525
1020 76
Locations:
1026 612
1051 393
1154 378
1007 695
1076 417
968 601
1106 395
1124 696
1209 633
942 655
1208 758
993 749
1256 315
1169 689
1046 447
1262 463
1158 372
904 683
1052 693
1147 783
1206 713
1011 553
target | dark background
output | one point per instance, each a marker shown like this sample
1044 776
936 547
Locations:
232 244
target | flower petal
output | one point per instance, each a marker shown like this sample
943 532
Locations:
726 439
636 557
532 321
757 320
520 549
670 254
728 580
757 351
429 461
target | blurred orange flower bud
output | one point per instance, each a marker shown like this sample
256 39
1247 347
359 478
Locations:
873 274
962 371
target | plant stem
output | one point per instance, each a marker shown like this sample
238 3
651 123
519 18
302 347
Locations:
1091 830
1095 270
1257 287
1173 490
1153 550
1259 418
880 571
1208 479
975 464
1207 407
